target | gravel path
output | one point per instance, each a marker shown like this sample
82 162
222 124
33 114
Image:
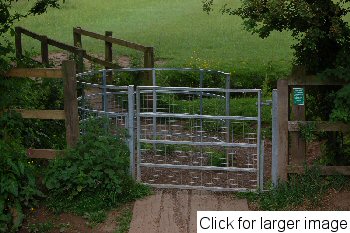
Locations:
176 211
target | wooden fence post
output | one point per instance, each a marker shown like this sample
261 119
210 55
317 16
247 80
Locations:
108 49
77 38
108 56
283 114
44 51
298 144
148 63
79 55
18 42
70 103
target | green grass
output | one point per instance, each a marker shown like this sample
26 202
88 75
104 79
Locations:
124 221
182 34
308 189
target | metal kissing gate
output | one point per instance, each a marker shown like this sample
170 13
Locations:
183 137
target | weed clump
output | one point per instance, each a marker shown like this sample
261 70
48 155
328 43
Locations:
309 187
94 175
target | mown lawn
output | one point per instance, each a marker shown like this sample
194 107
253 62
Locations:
182 34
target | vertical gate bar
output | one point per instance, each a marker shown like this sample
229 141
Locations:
258 138
274 166
261 176
131 106
154 107
201 78
227 122
104 90
83 101
138 136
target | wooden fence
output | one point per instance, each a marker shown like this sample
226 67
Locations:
45 42
70 112
80 53
291 146
109 41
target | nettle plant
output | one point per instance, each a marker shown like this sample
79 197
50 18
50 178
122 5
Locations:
96 169
99 161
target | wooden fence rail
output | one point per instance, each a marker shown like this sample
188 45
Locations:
80 53
291 117
45 42
148 51
70 112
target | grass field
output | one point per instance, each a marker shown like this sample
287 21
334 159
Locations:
180 31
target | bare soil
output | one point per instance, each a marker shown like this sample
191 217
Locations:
175 211
56 59
67 222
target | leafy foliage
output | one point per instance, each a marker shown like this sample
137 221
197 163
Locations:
17 182
124 221
99 161
94 175
299 189
317 26
322 36
307 131
8 16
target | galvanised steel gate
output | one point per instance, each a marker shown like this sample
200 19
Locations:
190 138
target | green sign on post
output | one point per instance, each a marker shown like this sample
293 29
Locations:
298 96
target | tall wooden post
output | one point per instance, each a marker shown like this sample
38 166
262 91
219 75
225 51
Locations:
298 144
79 55
77 38
18 42
108 56
283 110
108 49
70 103
148 63
44 51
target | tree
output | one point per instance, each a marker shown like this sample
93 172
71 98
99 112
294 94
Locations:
322 46
317 25
8 16
322 36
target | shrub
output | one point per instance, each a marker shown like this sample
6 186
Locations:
99 161
94 175
17 185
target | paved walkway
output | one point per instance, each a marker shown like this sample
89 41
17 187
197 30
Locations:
175 211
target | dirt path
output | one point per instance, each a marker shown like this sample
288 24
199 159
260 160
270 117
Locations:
175 211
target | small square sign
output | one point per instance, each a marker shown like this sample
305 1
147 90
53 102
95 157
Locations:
298 96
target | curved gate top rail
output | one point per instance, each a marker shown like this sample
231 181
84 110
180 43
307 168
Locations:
151 69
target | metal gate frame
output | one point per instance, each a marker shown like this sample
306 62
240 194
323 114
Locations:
154 114
135 140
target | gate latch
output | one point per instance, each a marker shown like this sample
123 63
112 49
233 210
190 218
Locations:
266 103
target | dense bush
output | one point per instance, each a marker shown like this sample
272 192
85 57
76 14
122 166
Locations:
99 161
94 175
17 185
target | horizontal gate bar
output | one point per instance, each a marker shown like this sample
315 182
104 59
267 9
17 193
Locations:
197 116
226 144
145 89
203 168
103 112
205 188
